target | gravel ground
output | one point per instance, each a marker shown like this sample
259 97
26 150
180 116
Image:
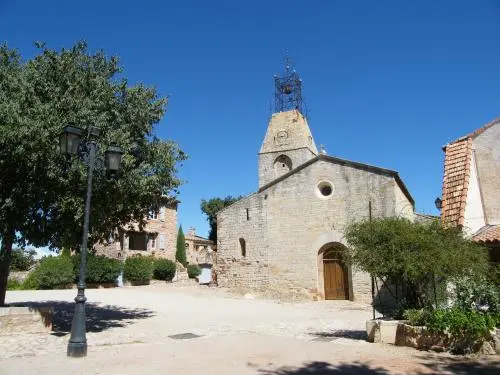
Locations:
133 330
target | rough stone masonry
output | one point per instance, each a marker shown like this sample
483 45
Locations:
280 240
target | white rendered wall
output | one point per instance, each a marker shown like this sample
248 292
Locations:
474 214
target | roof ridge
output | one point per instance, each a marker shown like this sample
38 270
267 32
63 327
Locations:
475 133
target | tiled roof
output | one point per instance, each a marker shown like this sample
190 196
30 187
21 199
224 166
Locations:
422 218
197 238
457 164
488 233
482 129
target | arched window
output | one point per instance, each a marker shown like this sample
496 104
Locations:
282 165
243 248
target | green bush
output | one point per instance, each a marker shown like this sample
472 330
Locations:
100 269
138 270
65 252
164 269
30 282
467 329
416 317
193 270
420 256
21 259
54 272
473 294
14 284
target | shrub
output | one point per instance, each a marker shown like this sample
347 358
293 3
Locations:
30 282
477 294
65 252
467 329
54 272
100 269
14 284
138 270
418 256
22 260
193 270
164 269
416 317
180 253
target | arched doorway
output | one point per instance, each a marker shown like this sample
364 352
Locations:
335 273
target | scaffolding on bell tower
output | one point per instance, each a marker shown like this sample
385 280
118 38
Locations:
288 90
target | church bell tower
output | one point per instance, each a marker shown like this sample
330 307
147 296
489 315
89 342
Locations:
288 142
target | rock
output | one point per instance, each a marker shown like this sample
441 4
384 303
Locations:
487 349
496 343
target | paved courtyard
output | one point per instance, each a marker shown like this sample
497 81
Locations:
194 330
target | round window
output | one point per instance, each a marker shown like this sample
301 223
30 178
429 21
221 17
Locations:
324 189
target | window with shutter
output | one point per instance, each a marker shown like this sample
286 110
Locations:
161 244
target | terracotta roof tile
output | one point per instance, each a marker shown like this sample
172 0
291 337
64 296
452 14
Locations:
456 179
488 233
457 164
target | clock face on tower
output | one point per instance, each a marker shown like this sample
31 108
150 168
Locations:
281 137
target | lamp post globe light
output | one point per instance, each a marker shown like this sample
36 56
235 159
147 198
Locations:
72 143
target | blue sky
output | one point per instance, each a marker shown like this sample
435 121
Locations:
385 82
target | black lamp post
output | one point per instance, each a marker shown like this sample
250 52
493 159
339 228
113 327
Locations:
71 143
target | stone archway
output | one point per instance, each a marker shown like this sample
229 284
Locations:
334 275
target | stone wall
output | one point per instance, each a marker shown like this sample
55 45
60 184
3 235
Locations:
164 225
290 221
287 134
487 153
25 319
199 250
248 271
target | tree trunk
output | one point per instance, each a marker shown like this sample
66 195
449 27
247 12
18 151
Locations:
5 257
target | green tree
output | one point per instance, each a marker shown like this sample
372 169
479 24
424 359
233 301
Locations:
415 255
41 192
22 259
180 253
211 207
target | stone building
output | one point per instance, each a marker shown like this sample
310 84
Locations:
199 250
286 240
471 186
158 237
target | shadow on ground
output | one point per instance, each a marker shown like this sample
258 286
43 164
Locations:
487 365
343 333
436 365
324 368
99 318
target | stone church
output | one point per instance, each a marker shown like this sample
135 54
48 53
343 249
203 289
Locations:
286 239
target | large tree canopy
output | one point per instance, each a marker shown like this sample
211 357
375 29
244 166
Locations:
211 207
41 192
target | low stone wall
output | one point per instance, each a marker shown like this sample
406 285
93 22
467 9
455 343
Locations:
25 319
398 333
18 275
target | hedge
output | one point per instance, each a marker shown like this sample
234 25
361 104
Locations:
164 269
193 270
138 270
53 273
100 269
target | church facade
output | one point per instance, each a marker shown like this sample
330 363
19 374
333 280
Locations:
286 240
